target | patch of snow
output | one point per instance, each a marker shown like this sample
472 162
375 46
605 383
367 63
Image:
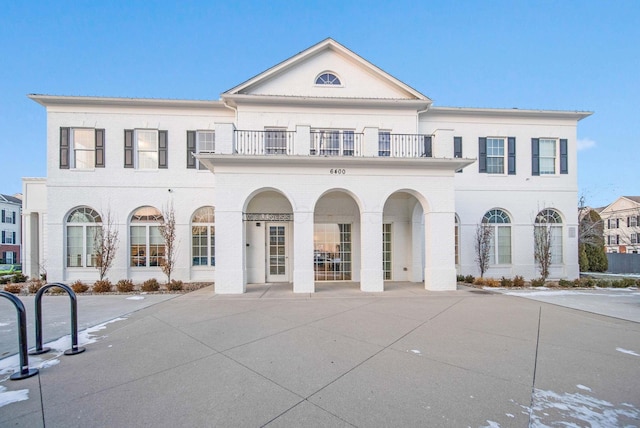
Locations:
49 363
584 388
11 364
580 410
510 415
626 351
4 324
492 424
135 298
8 397
416 351
562 293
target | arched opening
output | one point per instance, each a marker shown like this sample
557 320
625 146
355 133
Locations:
83 226
268 222
403 246
146 245
336 237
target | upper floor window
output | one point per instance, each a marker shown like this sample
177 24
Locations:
83 227
500 222
497 155
8 237
81 148
613 223
328 78
145 149
633 221
549 156
9 217
333 142
199 142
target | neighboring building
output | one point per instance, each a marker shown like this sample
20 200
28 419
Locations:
10 228
621 221
322 168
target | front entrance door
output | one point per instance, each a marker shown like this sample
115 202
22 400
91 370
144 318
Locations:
277 252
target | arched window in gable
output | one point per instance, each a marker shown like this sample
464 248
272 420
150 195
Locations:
328 78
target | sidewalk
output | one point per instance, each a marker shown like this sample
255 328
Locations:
339 357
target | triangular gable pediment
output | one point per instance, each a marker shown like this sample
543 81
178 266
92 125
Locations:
623 203
296 77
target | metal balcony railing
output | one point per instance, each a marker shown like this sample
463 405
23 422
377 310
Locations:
335 143
269 142
405 145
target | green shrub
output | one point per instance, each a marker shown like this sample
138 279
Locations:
469 279
102 286
565 283
603 283
125 286
627 282
577 282
459 278
506 282
79 287
588 282
20 277
150 285
538 282
13 288
174 285
35 285
518 281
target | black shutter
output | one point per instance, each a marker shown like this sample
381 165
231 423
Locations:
617 223
482 154
564 157
3 216
3 236
428 151
457 147
13 216
191 148
628 222
128 148
99 148
64 147
162 149
13 237
511 162
535 156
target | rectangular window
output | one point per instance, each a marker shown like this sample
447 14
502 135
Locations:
203 245
275 141
8 237
495 155
205 143
634 238
384 143
386 251
83 147
547 156
147 149
633 221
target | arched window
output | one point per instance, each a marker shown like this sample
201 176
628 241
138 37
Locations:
548 227
328 78
501 236
203 237
146 243
83 226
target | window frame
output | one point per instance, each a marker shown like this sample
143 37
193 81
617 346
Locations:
332 80
550 217
503 156
199 149
147 224
498 229
556 156
88 256
210 237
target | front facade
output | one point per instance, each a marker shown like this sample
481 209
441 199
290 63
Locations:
621 225
10 229
322 168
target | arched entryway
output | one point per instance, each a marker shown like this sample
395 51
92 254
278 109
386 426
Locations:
403 237
336 237
268 222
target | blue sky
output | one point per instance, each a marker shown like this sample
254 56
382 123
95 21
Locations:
558 55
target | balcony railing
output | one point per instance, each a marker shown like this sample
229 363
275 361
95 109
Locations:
405 145
270 142
335 143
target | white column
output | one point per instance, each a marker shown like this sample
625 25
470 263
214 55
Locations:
230 253
303 281
440 267
370 146
302 140
225 135
371 278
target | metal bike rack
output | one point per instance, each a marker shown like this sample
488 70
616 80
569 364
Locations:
74 320
25 371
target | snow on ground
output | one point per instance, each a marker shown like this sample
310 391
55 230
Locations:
626 351
135 298
12 364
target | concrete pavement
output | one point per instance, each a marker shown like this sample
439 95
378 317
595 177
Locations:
340 357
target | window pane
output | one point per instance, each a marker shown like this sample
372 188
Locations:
495 155
147 160
92 233
84 139
74 246
147 140
504 244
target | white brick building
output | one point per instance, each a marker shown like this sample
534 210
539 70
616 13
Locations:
322 168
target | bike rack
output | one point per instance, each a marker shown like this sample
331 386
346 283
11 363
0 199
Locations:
74 320
25 371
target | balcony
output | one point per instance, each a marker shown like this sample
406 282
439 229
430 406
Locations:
332 143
